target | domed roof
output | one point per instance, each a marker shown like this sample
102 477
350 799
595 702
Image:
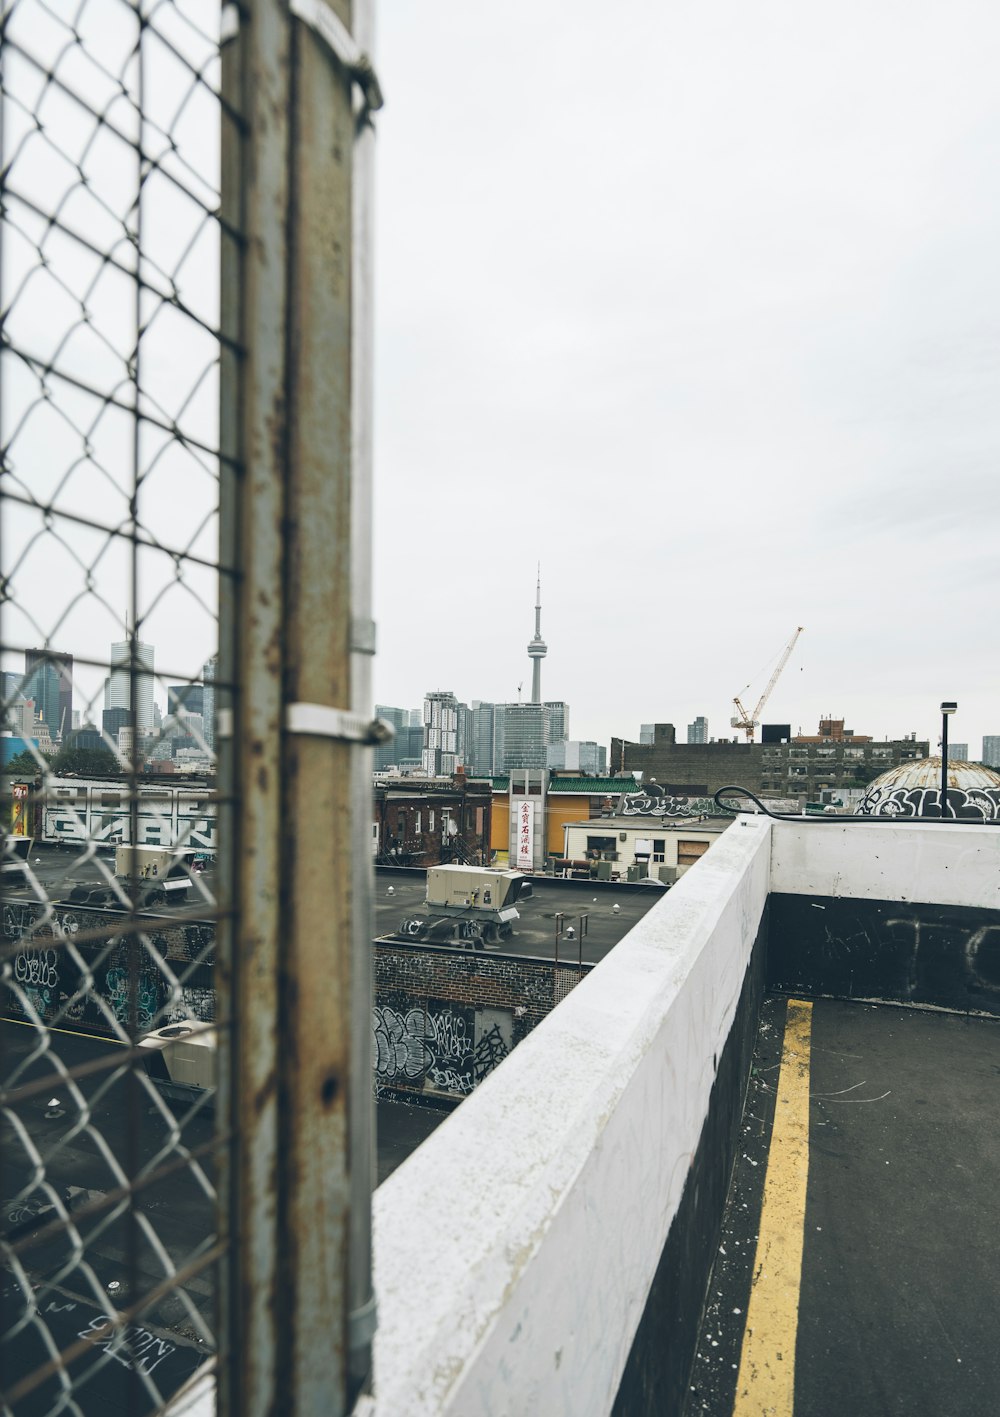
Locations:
914 790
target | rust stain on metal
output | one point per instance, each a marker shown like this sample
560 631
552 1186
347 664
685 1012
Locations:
265 1092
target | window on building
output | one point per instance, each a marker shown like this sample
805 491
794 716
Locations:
416 823
688 852
659 849
430 820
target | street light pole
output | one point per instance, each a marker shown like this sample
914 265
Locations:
947 709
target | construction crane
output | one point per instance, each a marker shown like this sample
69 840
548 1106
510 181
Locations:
749 721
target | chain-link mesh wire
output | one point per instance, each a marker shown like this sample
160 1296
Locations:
109 510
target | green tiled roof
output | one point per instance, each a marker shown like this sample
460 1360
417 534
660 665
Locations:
592 786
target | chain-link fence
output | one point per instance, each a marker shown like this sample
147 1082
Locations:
111 889
185 1125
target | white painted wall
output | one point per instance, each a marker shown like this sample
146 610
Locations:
516 1247
955 864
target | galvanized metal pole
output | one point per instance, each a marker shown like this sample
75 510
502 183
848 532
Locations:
944 762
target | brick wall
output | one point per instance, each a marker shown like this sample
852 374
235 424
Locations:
444 1018
42 977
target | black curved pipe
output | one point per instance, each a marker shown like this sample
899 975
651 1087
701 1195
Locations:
735 791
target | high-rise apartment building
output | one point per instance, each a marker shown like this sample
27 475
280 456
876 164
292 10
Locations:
698 731
646 732
958 752
440 751
991 750
126 655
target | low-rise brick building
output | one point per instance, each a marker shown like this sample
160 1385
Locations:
431 821
802 767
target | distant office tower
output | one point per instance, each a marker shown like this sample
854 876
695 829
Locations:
575 755
698 731
991 750
520 736
440 751
958 752
114 720
41 683
386 755
646 732
558 719
48 679
537 649
480 747
209 673
118 693
191 696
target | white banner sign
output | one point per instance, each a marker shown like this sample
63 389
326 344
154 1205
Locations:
525 835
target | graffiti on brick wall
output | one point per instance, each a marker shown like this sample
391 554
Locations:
441 1046
974 804
119 993
193 1004
52 983
654 802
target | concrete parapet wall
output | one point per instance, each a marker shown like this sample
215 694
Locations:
536 1215
903 913
953 864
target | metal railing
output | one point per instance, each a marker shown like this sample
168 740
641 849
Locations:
185 1122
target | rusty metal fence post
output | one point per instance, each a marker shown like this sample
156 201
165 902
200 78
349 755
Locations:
298 1289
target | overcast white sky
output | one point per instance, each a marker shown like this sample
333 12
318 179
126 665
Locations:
698 305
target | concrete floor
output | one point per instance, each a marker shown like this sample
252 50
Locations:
897 1308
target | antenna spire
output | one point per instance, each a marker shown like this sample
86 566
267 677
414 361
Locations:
537 648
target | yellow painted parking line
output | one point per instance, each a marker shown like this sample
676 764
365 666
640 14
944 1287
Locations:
766 1381
73 1032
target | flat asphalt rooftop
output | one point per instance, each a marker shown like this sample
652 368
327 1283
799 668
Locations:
398 896
892 1307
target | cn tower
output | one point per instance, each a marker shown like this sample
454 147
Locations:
537 649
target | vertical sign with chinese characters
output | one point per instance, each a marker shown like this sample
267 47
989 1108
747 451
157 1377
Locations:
525 835
18 809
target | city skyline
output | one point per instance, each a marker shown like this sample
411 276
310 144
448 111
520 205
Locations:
709 345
